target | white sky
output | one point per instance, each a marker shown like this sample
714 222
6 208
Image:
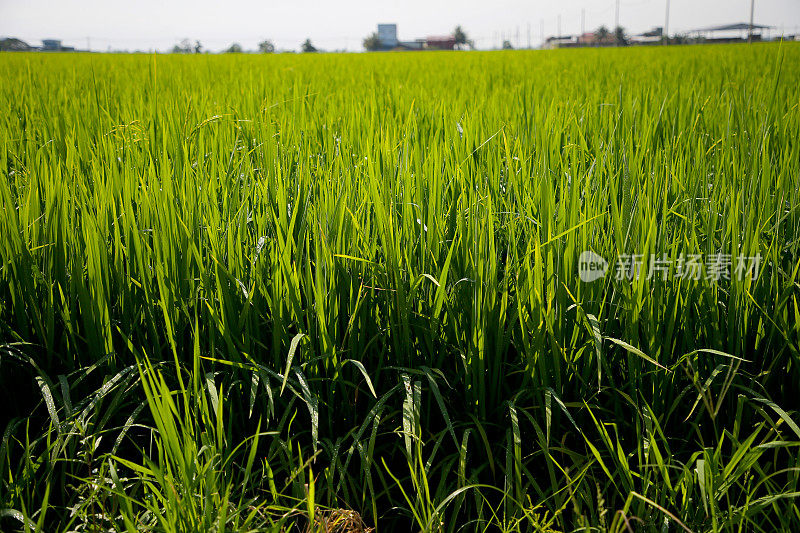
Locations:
342 24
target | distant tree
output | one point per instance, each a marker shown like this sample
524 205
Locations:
308 47
601 34
235 48
13 45
266 47
198 47
507 45
619 36
462 39
183 47
372 43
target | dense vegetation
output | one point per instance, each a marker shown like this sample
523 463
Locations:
342 291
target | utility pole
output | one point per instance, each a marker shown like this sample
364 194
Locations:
541 29
750 34
583 21
616 17
559 26
88 44
517 37
529 36
666 25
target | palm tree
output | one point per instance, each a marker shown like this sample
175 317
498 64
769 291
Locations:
601 34
461 38
619 36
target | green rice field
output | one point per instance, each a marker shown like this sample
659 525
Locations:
444 291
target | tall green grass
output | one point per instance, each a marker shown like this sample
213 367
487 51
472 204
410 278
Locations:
309 293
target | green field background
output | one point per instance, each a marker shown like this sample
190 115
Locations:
371 262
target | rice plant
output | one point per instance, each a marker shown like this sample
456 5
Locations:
345 292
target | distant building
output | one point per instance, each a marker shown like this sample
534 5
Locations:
654 36
562 41
387 35
54 45
446 42
730 33
416 44
51 45
593 39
